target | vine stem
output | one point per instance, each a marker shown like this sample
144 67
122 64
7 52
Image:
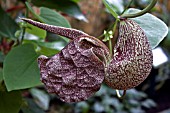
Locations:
24 29
23 34
110 47
118 94
144 11
127 6
110 40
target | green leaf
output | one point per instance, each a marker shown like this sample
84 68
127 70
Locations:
8 26
53 18
41 98
148 103
32 11
20 68
36 31
154 28
51 37
1 75
50 48
166 42
32 107
110 8
10 102
2 56
47 48
43 50
67 6
117 5
49 16
76 1
53 45
138 95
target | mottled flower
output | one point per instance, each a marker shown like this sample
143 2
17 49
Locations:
78 70
132 57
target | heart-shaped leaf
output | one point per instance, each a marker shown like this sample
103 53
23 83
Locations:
53 18
67 6
154 28
20 68
49 16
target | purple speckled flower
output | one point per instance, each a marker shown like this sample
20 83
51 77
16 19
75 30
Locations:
132 59
78 70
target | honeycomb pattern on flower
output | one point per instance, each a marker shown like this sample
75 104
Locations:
75 73
132 58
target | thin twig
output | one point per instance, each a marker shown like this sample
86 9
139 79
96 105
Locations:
118 94
127 6
24 29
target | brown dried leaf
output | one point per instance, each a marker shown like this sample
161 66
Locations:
132 60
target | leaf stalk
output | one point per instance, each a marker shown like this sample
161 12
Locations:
144 11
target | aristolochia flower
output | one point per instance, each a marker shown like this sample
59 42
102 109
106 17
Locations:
78 70
132 57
